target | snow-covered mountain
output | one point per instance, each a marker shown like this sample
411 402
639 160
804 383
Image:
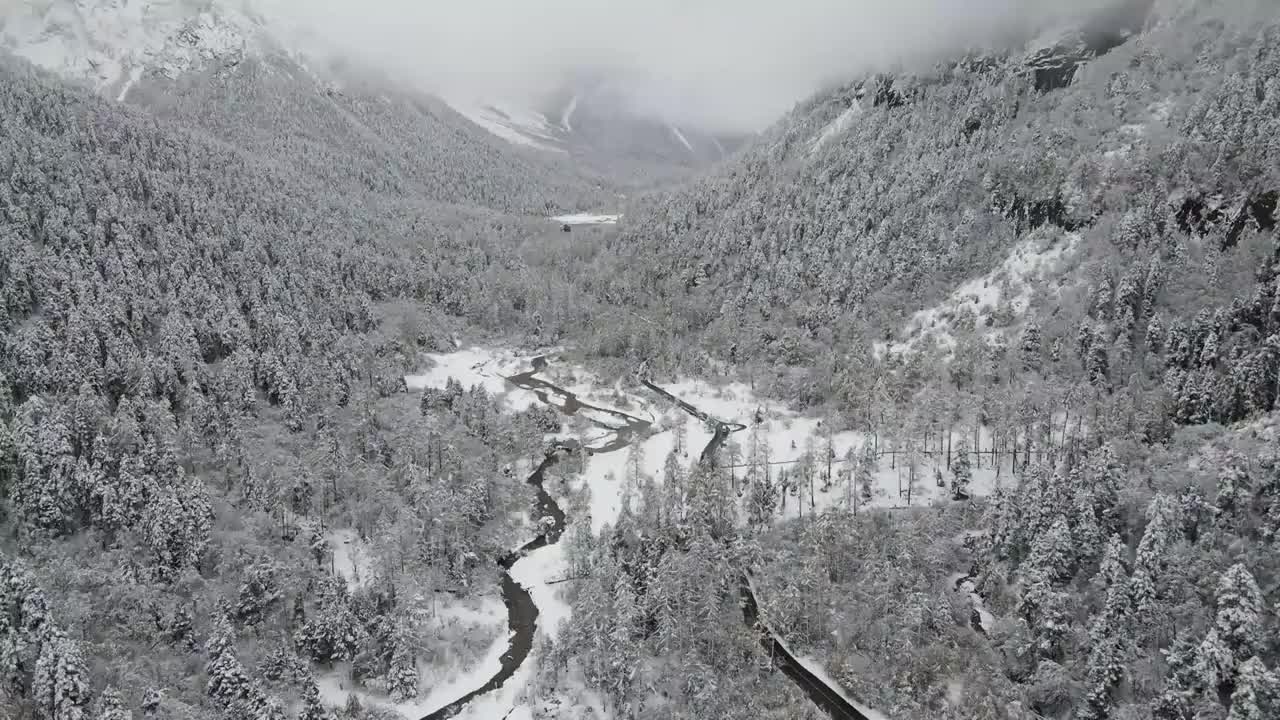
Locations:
113 44
593 122
119 46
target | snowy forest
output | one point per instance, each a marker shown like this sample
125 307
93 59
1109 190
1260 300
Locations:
951 395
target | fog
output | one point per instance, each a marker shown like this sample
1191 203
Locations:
720 64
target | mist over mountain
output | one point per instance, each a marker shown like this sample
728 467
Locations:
733 65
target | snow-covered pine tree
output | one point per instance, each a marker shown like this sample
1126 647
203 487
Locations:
961 471
110 706
1110 637
60 685
312 707
227 680
402 673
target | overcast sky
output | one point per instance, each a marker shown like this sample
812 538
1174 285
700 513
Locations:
730 64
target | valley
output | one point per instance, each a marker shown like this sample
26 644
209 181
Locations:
506 371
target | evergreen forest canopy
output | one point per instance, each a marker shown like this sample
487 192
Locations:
208 316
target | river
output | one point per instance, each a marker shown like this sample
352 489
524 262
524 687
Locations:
522 613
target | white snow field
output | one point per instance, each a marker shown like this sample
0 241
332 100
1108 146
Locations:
785 432
476 366
1031 265
351 561
587 219
836 127
509 122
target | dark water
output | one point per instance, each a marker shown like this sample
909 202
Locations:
522 613
822 695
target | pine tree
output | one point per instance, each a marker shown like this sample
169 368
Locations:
353 708
763 499
1152 555
1085 530
402 675
1029 349
228 681
332 633
60 684
151 701
1234 485
1053 552
865 473
1181 679
1240 613
312 707
1254 695
110 706
1109 637
624 650
961 472
1155 333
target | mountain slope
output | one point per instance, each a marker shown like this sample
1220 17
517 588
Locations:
247 80
880 197
591 122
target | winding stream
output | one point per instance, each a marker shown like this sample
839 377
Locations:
522 613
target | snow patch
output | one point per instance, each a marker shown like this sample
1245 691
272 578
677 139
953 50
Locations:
509 122
485 367
334 688
351 558
681 138
587 219
567 115
1029 265
837 126
134 76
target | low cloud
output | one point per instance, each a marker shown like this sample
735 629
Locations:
721 64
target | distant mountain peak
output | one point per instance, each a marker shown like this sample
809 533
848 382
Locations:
111 44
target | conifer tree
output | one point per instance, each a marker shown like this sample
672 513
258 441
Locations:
312 707
60 685
402 675
227 681
110 706
961 472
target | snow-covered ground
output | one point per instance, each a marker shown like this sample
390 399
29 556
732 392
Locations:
478 366
351 560
679 136
836 127
587 219
788 434
785 432
1032 264
566 117
509 122
449 674
443 684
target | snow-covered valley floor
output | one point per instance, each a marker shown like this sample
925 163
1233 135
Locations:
786 435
